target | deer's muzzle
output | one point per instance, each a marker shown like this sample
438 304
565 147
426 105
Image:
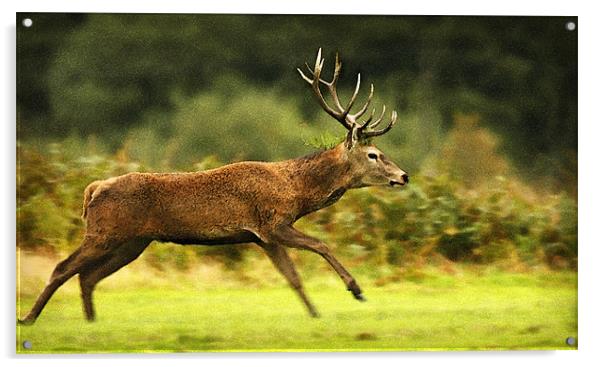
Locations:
403 180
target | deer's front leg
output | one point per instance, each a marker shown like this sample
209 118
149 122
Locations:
289 236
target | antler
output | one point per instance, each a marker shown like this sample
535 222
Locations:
342 114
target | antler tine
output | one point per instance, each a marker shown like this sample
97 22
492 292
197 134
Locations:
305 77
340 113
337 70
330 85
370 134
317 69
365 123
311 72
379 119
364 108
353 96
318 61
315 84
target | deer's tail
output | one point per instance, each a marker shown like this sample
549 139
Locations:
88 196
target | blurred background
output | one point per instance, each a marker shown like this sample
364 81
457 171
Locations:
478 251
487 129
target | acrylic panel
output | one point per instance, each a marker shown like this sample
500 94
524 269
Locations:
205 182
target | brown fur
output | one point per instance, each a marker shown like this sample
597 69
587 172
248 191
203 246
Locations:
251 198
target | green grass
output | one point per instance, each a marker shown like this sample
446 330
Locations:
495 311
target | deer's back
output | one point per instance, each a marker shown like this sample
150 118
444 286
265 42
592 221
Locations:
227 201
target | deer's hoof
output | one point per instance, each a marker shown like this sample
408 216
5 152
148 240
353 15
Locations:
355 290
25 322
360 297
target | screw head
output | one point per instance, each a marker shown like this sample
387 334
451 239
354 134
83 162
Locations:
570 26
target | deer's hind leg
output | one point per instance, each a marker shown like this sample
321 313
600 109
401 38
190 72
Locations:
93 249
95 272
285 265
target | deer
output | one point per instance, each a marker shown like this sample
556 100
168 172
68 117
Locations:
244 202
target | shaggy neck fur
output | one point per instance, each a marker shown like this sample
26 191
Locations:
321 178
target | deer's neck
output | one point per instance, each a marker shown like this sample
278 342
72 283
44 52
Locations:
321 179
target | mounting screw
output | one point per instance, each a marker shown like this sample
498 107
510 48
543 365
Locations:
570 341
27 22
570 26
27 344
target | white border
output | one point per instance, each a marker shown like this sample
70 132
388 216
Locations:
423 7
589 168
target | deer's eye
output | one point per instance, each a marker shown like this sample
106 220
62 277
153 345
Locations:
372 156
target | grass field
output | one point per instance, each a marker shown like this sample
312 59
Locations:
493 311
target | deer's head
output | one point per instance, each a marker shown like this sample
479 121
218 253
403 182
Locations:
369 166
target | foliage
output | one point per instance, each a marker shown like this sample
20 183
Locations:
469 153
435 219
50 190
323 141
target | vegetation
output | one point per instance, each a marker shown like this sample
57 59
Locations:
435 219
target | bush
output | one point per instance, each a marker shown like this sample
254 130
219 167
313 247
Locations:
469 153
438 216
50 190
435 218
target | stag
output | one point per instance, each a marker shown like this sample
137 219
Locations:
245 202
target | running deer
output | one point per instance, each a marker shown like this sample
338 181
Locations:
245 202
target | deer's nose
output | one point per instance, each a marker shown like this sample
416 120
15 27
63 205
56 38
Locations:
405 178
